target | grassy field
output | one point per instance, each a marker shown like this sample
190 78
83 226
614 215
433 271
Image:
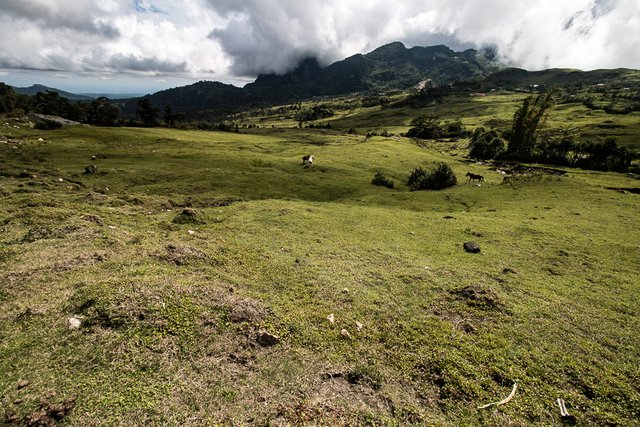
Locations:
493 110
187 248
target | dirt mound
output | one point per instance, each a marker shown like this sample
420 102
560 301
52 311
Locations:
47 415
475 296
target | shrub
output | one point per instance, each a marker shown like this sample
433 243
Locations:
381 180
438 179
486 145
47 125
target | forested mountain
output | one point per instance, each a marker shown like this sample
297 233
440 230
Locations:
388 68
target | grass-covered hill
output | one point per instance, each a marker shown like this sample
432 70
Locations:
202 269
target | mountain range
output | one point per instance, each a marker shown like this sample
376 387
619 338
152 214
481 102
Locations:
391 67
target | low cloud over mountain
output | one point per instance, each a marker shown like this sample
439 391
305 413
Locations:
223 39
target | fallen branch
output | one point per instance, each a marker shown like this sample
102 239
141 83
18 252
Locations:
503 401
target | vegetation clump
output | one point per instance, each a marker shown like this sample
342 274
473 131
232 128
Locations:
486 144
441 177
381 180
430 127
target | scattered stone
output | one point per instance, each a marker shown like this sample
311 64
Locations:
22 384
331 318
93 157
345 290
267 339
190 231
471 247
91 169
509 270
359 326
74 322
345 334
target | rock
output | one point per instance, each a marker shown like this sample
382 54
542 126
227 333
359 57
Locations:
345 334
91 169
471 247
22 384
331 318
509 270
74 322
267 339
359 326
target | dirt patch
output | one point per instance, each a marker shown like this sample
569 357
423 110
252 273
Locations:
79 261
477 297
188 216
245 310
92 218
184 255
47 415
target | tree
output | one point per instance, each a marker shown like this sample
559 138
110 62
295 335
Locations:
146 112
486 144
103 113
526 122
8 98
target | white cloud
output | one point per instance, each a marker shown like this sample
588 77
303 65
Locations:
221 38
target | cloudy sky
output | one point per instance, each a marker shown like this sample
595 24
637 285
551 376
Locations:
142 46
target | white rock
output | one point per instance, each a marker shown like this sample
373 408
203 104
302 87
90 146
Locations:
74 322
359 326
331 318
345 334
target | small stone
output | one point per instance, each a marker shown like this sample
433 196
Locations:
359 326
22 384
91 169
331 318
191 232
267 339
345 290
471 247
345 334
73 323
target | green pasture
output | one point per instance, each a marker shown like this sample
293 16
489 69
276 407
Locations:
172 303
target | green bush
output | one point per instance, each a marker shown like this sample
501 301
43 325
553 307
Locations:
486 144
381 180
438 179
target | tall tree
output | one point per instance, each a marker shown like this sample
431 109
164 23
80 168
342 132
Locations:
147 112
526 121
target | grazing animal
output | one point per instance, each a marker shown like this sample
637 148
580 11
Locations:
307 160
474 177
